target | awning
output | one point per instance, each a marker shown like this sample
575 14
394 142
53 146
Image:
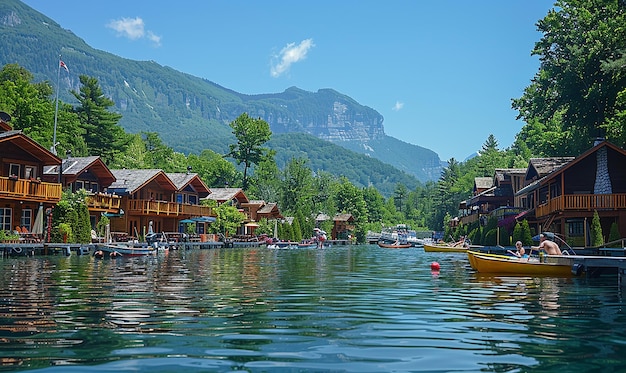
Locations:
203 219
521 214
187 221
251 224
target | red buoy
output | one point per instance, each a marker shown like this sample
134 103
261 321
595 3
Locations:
434 266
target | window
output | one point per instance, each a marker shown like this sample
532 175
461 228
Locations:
193 199
14 169
27 219
179 198
5 218
576 228
30 172
78 185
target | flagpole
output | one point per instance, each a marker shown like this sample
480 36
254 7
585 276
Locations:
53 149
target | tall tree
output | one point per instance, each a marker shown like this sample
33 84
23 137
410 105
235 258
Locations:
104 137
582 70
251 134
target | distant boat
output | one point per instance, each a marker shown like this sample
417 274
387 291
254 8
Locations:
501 264
394 245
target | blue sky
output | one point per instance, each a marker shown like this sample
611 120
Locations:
442 73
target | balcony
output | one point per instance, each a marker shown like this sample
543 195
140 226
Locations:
151 208
104 202
29 190
581 202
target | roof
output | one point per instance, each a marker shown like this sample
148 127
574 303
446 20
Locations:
500 173
28 145
183 179
227 194
483 182
131 180
540 167
343 217
75 166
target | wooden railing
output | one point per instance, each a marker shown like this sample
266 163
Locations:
582 202
102 201
468 219
29 190
144 207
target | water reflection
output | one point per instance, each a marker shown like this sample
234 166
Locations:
352 309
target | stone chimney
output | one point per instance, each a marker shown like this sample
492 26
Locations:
603 180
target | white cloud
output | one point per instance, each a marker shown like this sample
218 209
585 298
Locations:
133 29
289 55
398 106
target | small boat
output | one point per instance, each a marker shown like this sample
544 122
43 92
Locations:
447 248
115 250
503 264
394 245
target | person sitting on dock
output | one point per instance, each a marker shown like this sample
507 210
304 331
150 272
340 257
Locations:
519 252
550 247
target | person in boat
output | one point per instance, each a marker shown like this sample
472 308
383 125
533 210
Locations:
461 242
98 254
550 247
520 252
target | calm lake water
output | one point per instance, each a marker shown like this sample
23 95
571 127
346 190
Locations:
340 309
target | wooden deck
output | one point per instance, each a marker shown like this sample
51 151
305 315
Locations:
581 202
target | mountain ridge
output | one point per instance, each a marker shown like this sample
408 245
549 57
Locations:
192 113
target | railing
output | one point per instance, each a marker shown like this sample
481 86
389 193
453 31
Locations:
31 190
582 202
101 201
468 219
143 207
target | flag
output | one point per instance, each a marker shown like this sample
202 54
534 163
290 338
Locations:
62 64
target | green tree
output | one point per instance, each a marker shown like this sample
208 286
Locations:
251 134
227 219
581 72
614 234
597 239
264 184
104 137
213 169
296 187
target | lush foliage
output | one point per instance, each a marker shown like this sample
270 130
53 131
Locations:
597 239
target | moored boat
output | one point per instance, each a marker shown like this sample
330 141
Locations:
447 248
116 249
502 264
394 245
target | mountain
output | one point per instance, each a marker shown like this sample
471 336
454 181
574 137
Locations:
190 113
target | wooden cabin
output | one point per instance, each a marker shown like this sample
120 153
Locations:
343 226
563 193
190 190
92 175
150 200
24 196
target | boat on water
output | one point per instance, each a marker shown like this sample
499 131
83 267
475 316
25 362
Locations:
403 233
448 248
511 265
120 249
394 245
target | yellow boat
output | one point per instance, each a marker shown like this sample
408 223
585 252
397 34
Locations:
502 264
445 248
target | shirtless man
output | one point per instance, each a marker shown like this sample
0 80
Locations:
549 246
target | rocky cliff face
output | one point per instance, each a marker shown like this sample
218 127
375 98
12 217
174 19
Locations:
325 114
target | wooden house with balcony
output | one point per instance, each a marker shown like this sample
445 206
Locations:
493 196
92 175
150 199
563 200
190 190
24 196
237 198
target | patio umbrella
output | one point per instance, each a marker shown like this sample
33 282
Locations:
38 224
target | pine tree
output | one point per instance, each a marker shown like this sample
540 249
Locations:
596 230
